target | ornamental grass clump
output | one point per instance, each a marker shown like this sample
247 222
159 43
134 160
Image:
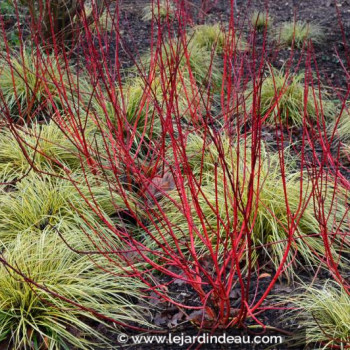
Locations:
104 22
181 98
285 99
142 102
214 38
201 63
299 33
184 60
341 125
46 149
141 105
159 10
50 297
32 85
261 20
323 312
46 203
209 37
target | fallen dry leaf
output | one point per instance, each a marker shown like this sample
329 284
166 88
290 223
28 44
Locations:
175 319
161 184
264 275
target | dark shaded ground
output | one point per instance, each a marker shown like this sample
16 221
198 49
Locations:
324 12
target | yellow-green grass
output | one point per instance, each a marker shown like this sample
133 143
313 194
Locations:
261 20
323 312
282 98
32 83
143 103
212 37
45 203
341 126
299 33
158 9
42 147
209 37
34 311
185 59
141 106
104 22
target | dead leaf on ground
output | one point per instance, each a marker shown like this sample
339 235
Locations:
176 319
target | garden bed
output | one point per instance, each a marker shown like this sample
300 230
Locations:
178 168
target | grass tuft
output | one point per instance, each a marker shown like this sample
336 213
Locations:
31 84
31 317
324 313
158 9
209 37
46 146
297 33
261 20
343 126
44 203
283 96
200 63
213 37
